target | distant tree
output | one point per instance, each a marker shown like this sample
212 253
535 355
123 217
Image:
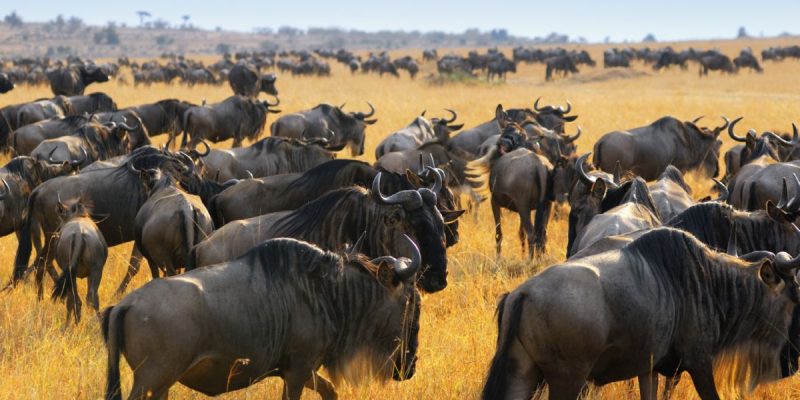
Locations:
185 19
649 38
142 16
74 24
742 33
164 40
160 24
59 22
107 35
13 19
499 35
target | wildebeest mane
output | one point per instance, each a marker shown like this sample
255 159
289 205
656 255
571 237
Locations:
675 175
321 178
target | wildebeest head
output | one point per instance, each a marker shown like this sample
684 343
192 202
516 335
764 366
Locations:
5 84
767 145
430 176
443 127
415 211
268 84
93 73
553 118
353 126
585 204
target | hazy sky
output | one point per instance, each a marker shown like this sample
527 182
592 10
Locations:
594 20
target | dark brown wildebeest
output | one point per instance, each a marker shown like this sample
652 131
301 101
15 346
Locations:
72 80
662 290
116 194
165 116
169 224
746 59
285 308
417 133
40 110
91 142
81 252
236 118
324 118
268 156
92 103
517 179
559 64
648 150
245 80
716 62
340 217
5 84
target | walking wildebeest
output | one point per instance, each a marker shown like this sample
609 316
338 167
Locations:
236 118
648 150
245 80
319 121
81 252
560 64
285 308
663 291
72 80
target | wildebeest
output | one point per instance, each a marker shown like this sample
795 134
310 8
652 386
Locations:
429 55
319 121
285 308
26 138
268 156
169 224
236 118
671 194
560 64
91 142
340 217
746 59
715 62
115 193
615 58
517 179
648 150
418 132
43 109
245 80
5 84
760 182
581 196
500 67
768 145
164 116
662 290
92 103
81 252
72 80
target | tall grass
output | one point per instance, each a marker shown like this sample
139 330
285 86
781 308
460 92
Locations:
41 358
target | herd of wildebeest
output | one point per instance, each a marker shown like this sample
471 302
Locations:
279 258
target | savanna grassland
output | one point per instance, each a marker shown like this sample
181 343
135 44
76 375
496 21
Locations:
41 358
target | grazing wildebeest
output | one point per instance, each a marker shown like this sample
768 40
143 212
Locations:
72 80
418 132
81 252
517 179
500 67
322 119
169 224
44 109
716 62
245 80
429 55
236 117
340 217
285 308
268 156
5 84
746 59
662 290
648 150
91 142
116 194
560 64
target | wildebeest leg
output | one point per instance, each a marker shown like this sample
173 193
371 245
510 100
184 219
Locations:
95 275
74 305
498 230
133 269
293 381
670 383
648 386
321 386
703 378
567 386
151 385
521 234
540 225
526 228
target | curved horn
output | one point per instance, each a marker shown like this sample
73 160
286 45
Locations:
437 180
6 191
732 134
277 102
784 195
784 263
187 161
723 190
407 271
696 120
249 174
567 110
82 160
454 116
203 154
570 139
536 104
353 250
341 107
402 197
132 168
127 127
371 112
724 124
783 141
50 156
586 179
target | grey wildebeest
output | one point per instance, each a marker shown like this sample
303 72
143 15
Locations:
581 205
517 179
340 217
81 252
663 291
169 224
236 118
317 122
245 80
559 64
671 194
72 80
285 192
746 59
418 132
43 109
648 150
715 62
91 142
116 194
164 116
286 307
268 156
5 84
768 145
92 103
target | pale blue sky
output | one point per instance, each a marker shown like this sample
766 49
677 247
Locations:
594 20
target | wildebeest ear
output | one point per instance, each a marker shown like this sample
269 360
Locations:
386 275
776 213
501 116
768 274
370 121
451 216
570 118
599 189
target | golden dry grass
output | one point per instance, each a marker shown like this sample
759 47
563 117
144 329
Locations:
39 358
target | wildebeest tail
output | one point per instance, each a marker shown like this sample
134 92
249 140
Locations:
66 285
112 322
185 139
597 158
478 171
501 366
24 246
